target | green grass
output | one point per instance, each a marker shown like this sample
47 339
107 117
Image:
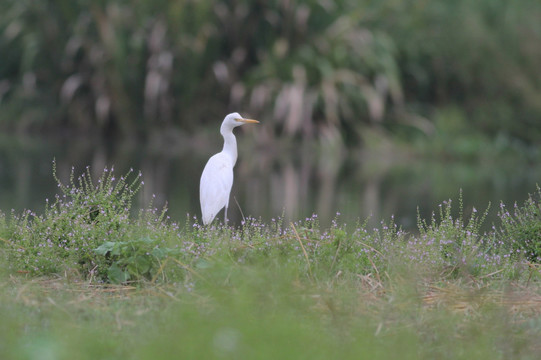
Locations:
264 291
266 312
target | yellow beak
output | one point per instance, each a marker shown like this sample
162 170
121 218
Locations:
248 121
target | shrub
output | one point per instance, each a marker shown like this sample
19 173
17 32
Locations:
133 259
521 230
450 241
89 230
83 217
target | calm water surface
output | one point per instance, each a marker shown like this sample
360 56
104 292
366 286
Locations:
287 180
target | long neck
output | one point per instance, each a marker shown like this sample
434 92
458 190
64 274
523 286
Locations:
230 144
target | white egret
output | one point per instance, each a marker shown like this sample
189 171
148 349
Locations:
217 177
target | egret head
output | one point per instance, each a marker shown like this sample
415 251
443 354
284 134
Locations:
233 120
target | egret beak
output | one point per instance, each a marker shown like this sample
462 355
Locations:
247 121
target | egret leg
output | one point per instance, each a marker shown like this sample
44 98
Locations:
225 216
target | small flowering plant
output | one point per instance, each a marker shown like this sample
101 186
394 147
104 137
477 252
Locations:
134 259
449 241
83 216
89 230
521 228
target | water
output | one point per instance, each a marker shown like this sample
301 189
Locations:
271 180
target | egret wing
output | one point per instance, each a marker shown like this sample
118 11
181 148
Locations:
215 186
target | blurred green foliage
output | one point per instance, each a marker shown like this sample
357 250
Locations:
311 68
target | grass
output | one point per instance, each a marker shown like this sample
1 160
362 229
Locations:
144 287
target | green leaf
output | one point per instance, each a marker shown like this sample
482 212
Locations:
117 275
104 248
139 265
159 253
203 264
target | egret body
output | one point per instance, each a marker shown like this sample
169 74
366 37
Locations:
217 177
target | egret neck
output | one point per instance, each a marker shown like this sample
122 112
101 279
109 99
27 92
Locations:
230 142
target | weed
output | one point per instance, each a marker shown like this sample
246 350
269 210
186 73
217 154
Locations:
261 290
83 216
521 230
90 230
451 242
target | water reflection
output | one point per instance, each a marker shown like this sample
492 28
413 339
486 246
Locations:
288 180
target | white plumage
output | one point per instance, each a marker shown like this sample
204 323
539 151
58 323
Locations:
217 177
